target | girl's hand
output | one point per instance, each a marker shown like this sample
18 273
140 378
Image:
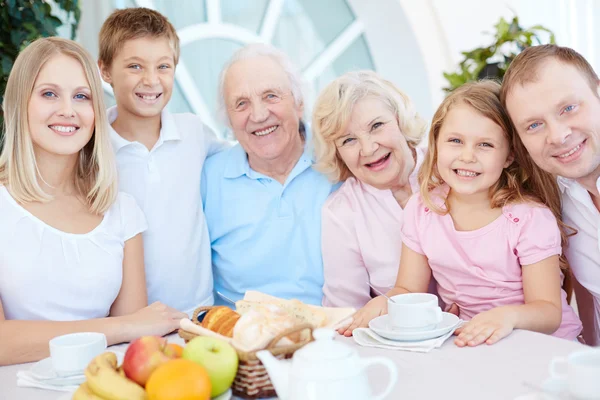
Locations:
156 319
488 327
374 308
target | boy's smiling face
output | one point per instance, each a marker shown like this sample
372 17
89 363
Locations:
142 74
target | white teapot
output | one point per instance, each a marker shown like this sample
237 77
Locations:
325 370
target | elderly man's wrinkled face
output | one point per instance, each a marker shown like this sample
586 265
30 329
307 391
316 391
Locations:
261 109
373 147
557 117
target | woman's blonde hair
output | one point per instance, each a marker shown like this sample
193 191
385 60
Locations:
333 109
522 181
95 175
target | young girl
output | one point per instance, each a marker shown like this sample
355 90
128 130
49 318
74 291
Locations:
485 225
71 254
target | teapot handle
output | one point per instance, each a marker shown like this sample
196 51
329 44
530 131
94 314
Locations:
391 367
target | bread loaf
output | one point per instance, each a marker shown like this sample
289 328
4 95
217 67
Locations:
258 326
221 319
303 313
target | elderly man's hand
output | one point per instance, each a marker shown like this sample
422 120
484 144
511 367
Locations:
360 319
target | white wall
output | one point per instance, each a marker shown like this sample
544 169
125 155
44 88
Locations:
464 22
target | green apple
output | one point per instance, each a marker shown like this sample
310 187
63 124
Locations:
218 358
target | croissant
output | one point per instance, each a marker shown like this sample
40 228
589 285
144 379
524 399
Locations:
221 320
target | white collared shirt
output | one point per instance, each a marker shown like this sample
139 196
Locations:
165 182
583 251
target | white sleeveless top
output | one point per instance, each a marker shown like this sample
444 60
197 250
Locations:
47 274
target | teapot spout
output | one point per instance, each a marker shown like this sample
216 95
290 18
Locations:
279 372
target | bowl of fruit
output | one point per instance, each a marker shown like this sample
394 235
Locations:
154 369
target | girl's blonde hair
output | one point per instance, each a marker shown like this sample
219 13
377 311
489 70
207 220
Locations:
95 175
333 109
522 181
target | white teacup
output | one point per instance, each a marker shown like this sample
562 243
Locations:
71 354
414 311
582 373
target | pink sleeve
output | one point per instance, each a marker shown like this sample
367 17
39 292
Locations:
409 233
539 237
344 271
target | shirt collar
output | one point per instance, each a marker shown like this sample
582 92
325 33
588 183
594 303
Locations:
566 184
168 129
237 163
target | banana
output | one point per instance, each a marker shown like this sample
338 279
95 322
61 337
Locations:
105 381
84 392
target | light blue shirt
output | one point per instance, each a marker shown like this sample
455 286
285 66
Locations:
264 236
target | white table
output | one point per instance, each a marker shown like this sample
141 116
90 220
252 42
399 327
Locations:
492 372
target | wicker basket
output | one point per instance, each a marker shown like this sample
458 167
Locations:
252 380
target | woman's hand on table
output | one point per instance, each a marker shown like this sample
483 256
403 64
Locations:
488 327
374 308
155 319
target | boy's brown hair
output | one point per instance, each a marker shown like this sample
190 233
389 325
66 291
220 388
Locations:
524 67
134 23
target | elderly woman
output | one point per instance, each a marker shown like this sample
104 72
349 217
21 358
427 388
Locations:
366 133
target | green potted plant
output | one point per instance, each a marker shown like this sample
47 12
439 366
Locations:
23 21
492 61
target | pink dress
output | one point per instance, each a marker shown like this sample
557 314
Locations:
481 269
361 241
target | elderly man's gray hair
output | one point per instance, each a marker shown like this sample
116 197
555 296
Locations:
258 50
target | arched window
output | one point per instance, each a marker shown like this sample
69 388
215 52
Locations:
324 39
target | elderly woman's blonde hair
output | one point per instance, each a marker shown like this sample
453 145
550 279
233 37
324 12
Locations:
95 174
333 109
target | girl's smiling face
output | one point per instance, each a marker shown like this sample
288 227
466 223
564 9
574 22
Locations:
472 151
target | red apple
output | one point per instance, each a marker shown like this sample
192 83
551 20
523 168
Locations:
144 355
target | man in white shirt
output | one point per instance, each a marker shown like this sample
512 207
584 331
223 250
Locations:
553 97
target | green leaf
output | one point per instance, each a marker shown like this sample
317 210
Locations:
502 27
6 64
495 58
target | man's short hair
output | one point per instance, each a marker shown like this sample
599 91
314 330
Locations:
133 23
525 66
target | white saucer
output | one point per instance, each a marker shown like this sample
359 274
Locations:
43 371
381 326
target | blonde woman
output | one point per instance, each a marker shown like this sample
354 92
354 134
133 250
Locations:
71 253
366 133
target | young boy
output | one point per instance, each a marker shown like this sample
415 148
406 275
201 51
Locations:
159 155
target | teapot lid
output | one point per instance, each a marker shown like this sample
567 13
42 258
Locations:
324 348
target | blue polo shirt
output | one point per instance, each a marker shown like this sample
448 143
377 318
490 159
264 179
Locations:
264 236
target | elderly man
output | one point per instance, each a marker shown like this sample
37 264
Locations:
553 97
262 198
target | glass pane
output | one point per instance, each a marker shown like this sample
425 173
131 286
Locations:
183 12
109 100
306 27
178 103
329 18
247 14
355 57
205 59
125 3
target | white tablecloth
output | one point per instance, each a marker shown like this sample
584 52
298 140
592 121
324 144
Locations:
501 371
